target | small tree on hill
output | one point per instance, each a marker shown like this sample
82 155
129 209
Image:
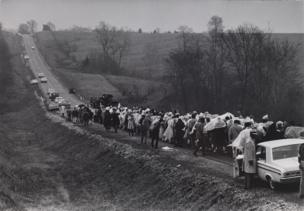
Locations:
52 26
32 24
114 43
24 29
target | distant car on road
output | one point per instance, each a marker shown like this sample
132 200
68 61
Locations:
65 103
52 106
72 91
41 75
34 81
50 91
59 100
43 80
53 95
33 48
26 57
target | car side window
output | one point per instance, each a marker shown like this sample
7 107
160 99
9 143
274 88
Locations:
261 153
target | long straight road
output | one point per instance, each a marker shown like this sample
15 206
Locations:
38 65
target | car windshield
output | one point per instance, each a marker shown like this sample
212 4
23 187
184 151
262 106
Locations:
285 152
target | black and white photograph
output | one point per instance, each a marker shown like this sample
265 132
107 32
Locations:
151 105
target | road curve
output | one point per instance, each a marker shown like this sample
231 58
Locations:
38 65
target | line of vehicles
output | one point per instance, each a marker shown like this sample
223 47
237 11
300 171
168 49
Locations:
41 77
55 101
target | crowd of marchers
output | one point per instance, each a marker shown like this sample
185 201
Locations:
203 132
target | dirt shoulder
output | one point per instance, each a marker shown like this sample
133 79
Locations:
49 164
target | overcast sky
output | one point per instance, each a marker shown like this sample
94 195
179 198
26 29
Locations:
286 16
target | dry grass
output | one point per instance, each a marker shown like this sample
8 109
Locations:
136 61
89 85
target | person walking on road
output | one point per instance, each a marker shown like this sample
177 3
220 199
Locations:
144 129
155 132
234 130
249 161
200 136
115 120
131 124
179 131
107 119
301 166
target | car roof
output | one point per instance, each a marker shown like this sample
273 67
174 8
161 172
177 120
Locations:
281 142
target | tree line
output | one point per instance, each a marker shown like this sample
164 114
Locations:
242 69
31 26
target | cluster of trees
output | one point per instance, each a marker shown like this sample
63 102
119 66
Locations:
242 69
31 26
114 44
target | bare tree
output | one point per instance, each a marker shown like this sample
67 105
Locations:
24 29
52 26
185 36
114 42
242 45
32 26
215 61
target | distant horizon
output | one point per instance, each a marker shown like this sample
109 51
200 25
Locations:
167 15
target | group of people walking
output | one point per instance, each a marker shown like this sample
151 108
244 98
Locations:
201 132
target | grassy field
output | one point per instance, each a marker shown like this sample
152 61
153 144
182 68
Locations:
137 61
144 64
129 90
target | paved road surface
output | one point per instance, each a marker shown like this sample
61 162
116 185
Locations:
38 65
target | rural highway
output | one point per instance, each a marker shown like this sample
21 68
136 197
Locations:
38 65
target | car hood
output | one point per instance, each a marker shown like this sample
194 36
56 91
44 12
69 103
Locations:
287 164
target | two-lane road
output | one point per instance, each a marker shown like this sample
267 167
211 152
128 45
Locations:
38 65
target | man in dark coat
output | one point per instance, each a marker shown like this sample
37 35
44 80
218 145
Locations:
200 136
115 120
107 120
179 132
155 132
144 127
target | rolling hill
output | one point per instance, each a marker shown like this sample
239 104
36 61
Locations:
144 63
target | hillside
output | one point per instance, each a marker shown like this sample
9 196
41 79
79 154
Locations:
142 46
137 60
144 64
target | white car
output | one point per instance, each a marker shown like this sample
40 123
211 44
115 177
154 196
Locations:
43 80
277 161
59 100
33 48
52 106
26 57
50 91
41 75
34 81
